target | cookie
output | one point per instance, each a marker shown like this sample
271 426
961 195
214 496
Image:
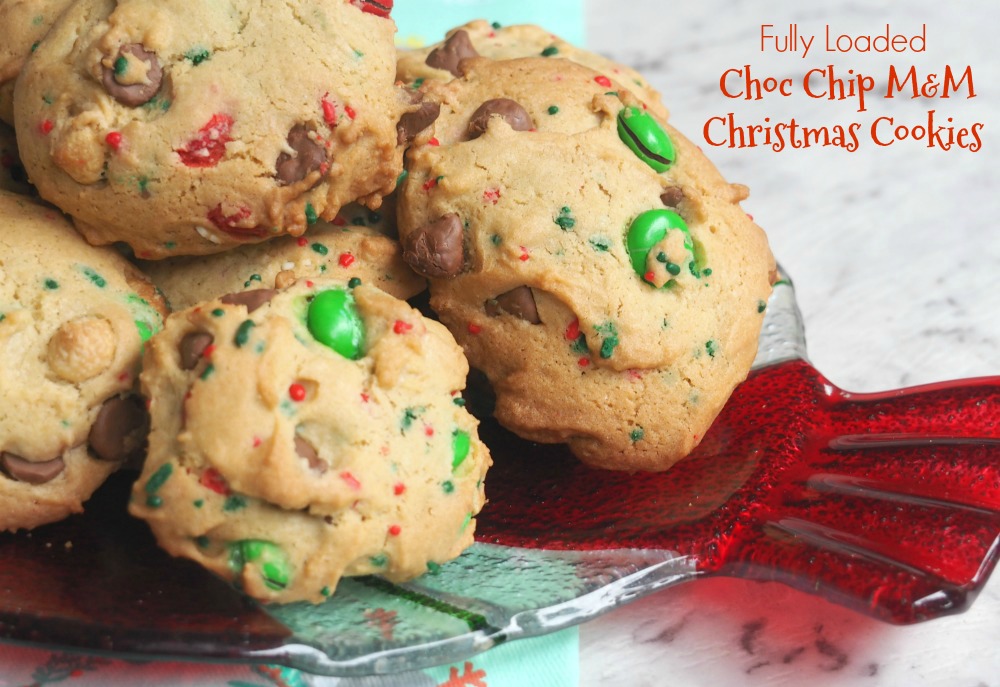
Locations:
12 175
589 259
188 130
73 319
23 23
440 62
306 434
356 245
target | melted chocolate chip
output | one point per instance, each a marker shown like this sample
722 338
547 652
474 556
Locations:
251 299
412 123
509 110
673 196
120 430
115 77
192 347
30 472
435 250
308 451
309 156
519 302
448 55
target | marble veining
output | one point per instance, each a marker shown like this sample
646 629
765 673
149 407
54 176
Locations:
896 264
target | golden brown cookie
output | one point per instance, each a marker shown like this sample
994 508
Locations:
588 258
187 129
306 434
73 319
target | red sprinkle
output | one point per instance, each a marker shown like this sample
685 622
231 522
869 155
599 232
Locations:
235 223
603 81
124 376
208 147
474 328
433 142
365 397
257 442
345 260
583 362
649 276
401 327
329 111
394 530
207 353
524 256
211 479
351 481
302 241
339 221
431 183
46 126
297 392
573 330
491 195
114 139
428 431
382 8
399 489
350 111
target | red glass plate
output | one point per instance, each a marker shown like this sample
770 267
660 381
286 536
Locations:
887 503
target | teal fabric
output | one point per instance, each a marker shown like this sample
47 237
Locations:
422 22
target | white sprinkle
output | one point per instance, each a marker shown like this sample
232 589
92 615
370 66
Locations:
207 235
288 266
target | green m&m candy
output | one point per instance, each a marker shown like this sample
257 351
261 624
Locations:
640 131
333 320
270 560
461 444
647 230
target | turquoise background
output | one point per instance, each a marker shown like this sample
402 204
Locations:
422 22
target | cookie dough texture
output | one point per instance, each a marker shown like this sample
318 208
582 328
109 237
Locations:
187 129
23 23
481 38
524 232
354 246
72 322
282 465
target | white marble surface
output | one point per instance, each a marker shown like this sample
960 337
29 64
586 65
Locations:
896 261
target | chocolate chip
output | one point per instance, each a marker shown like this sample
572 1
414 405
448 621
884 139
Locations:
252 299
447 56
435 250
192 347
309 156
22 470
412 123
120 430
509 110
673 196
116 81
308 451
519 302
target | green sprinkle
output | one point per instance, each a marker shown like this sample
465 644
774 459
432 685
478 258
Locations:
553 109
243 333
96 279
358 221
311 216
418 83
48 99
600 243
459 401
673 268
145 331
496 240
465 523
209 369
358 53
3 316
251 280
448 487
143 183
159 478
637 434
711 347
154 501
34 46
197 56
38 20
580 344
496 25
202 542
565 219
379 561
409 415
234 503
218 312
707 271
325 591
170 245
198 503
761 307
402 177
433 568
354 282
121 66
610 342
550 51
320 248
51 284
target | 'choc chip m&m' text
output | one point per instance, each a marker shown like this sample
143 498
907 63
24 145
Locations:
933 129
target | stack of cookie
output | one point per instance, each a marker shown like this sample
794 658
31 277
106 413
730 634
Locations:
288 182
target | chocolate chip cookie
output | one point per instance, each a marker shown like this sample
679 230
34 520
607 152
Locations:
187 130
589 259
309 433
440 62
73 319
358 244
